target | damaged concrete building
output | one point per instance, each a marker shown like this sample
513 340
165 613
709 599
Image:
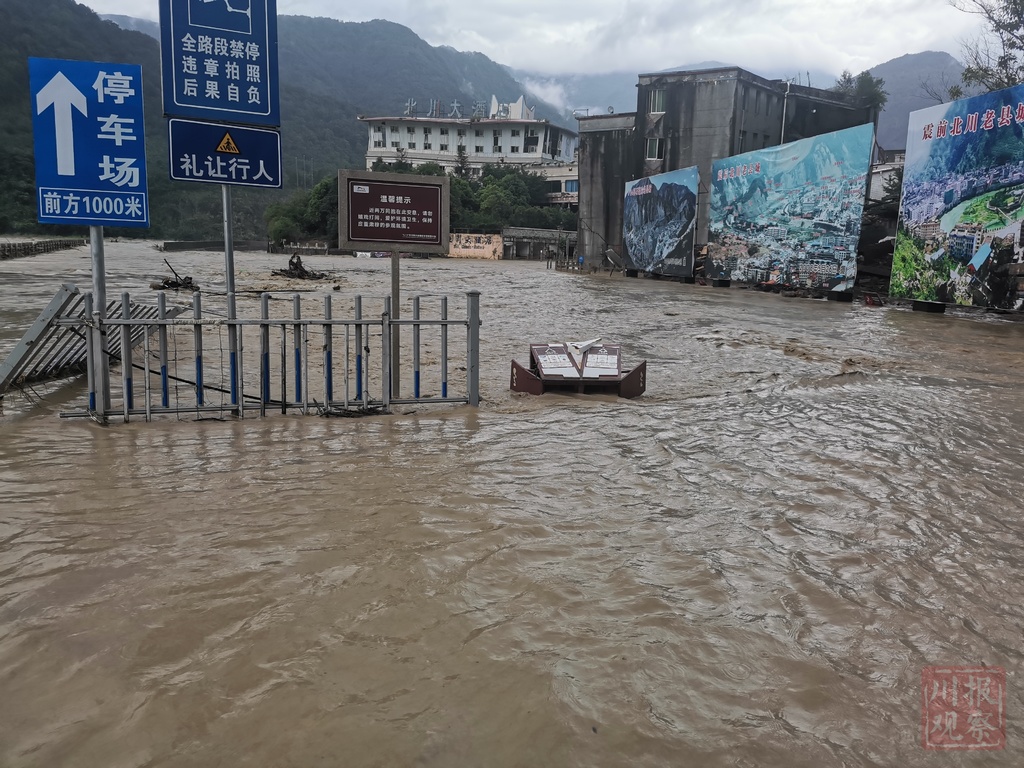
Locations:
685 119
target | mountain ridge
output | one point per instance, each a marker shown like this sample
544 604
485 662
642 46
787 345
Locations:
907 80
314 49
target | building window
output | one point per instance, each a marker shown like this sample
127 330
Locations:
410 129
768 105
460 131
378 129
743 141
378 143
426 131
655 149
497 150
497 133
444 147
427 145
497 140
394 144
656 101
479 132
479 148
443 131
412 145
757 102
513 149
572 185
515 131
394 129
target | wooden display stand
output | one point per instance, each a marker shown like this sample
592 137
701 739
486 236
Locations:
585 368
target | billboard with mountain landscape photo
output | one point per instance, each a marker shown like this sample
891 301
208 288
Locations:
789 216
962 208
658 222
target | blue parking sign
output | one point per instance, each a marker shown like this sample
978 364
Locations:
90 146
219 60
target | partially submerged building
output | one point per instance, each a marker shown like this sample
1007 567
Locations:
686 119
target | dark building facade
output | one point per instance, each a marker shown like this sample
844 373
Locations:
685 119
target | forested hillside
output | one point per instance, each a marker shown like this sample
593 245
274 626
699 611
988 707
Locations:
313 126
330 72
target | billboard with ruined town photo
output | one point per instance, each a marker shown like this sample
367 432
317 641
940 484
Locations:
788 217
962 209
658 222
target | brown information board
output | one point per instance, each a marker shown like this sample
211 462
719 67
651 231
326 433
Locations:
393 212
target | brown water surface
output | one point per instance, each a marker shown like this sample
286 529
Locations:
748 566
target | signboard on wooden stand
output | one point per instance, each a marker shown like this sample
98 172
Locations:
397 212
393 212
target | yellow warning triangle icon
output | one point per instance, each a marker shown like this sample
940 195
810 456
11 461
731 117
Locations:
227 144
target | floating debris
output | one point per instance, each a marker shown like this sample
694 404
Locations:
297 271
329 411
176 283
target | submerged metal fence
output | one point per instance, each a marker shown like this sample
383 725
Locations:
325 364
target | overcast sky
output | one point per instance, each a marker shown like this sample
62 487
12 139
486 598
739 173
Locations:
595 36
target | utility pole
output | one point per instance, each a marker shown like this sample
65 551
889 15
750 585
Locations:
785 101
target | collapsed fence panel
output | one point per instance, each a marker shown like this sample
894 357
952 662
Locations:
55 345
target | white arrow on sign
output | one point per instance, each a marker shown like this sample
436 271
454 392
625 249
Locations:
62 95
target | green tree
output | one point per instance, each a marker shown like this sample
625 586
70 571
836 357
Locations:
465 203
892 187
994 59
865 89
401 164
496 206
285 220
461 162
431 169
320 217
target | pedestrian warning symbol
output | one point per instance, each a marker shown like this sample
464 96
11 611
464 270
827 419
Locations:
227 144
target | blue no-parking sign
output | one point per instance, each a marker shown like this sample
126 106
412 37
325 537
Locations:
219 60
90 147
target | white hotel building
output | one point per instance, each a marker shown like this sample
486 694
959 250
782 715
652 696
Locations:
506 133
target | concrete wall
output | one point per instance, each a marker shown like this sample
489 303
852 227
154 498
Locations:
607 151
462 246
215 245
31 248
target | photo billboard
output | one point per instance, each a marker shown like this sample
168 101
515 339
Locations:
962 208
658 222
789 216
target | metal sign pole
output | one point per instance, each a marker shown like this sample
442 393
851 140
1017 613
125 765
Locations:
229 287
396 313
99 314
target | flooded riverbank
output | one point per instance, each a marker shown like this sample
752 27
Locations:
748 566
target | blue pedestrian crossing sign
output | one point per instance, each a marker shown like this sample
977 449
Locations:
90 145
216 153
219 60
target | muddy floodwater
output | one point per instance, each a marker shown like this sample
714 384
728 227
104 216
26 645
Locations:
748 566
